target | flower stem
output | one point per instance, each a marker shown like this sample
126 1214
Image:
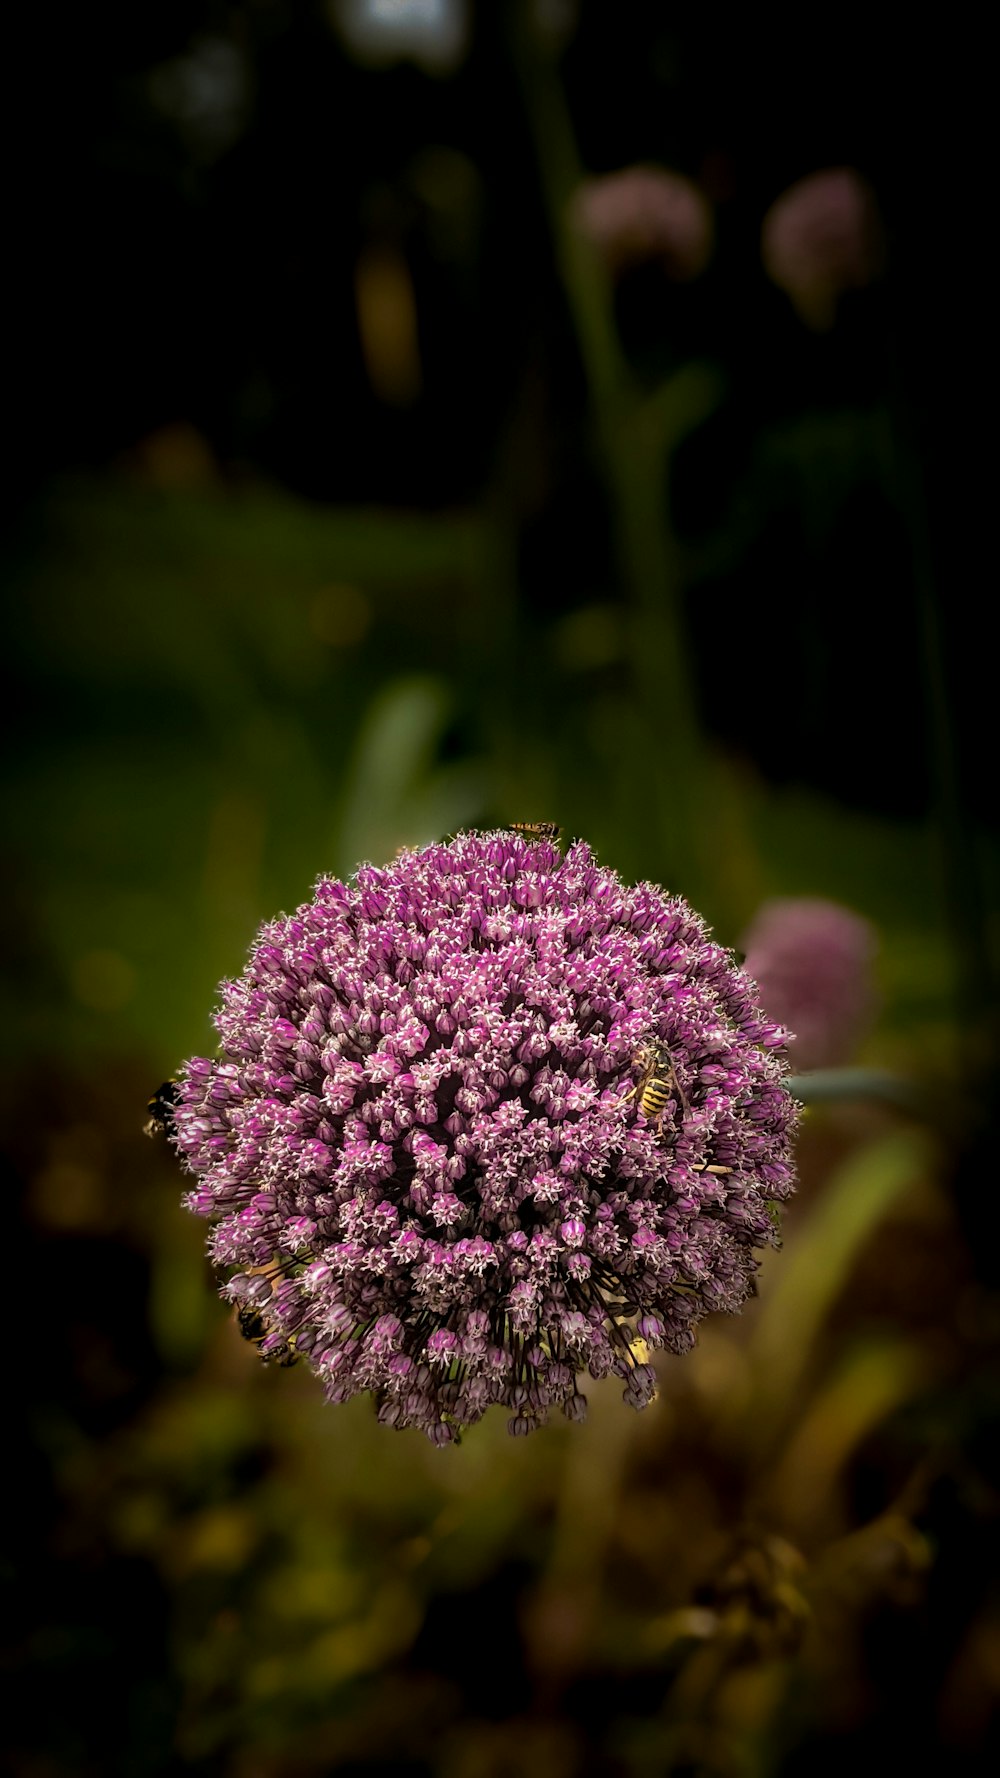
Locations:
827 1086
636 435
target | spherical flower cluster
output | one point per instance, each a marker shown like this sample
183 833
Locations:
821 238
644 214
429 1150
812 962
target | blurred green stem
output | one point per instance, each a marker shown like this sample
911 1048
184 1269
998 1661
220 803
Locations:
636 435
958 857
859 1195
828 1085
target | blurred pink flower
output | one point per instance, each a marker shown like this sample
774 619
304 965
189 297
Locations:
644 214
821 237
812 961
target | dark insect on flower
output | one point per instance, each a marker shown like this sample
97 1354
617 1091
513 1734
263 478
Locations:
254 1322
657 1081
160 1107
419 1144
537 830
256 1331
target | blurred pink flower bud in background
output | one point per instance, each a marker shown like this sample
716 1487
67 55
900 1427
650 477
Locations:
644 214
821 237
812 961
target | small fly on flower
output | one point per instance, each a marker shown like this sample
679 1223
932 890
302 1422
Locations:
160 1107
537 830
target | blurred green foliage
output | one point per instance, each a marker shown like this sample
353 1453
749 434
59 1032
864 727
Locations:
227 694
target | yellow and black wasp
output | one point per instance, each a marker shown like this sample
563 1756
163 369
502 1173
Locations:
656 1082
653 1089
160 1121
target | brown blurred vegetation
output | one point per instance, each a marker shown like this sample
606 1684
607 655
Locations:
786 1557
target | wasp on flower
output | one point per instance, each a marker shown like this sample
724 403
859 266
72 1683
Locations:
656 1082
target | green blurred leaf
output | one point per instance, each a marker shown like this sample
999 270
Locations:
393 796
828 1086
869 1384
818 1261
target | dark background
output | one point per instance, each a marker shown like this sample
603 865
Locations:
317 541
194 186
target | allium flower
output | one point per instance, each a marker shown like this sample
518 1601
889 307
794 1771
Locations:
646 213
423 1145
812 962
820 238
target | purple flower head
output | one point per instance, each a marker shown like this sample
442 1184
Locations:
821 238
427 1145
643 214
812 962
